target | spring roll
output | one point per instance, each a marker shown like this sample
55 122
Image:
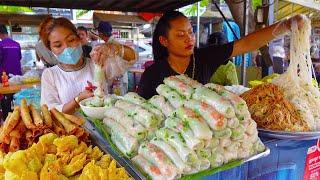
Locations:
198 126
58 129
229 156
240 106
238 132
221 104
9 124
214 119
225 133
160 116
110 100
152 170
75 119
203 156
225 142
157 157
233 147
180 86
14 144
252 128
139 114
25 115
172 154
243 153
259 146
37 119
216 159
174 139
134 98
134 128
46 115
161 103
175 99
29 137
68 126
178 126
233 122
194 84
121 136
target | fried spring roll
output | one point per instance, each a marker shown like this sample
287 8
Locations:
46 115
58 129
37 119
11 121
29 137
68 126
14 144
75 119
25 115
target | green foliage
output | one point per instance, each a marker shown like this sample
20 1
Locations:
80 13
192 9
15 9
256 3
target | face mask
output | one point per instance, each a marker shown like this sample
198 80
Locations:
70 55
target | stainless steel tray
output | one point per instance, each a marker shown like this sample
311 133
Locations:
311 135
98 140
129 166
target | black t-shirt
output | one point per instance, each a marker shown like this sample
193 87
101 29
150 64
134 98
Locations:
207 60
86 50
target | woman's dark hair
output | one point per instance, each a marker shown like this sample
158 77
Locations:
159 51
48 25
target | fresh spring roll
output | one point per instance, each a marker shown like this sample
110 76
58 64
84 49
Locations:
134 128
157 157
216 159
193 83
175 99
139 114
121 136
174 139
233 122
243 153
134 98
238 132
214 119
154 110
220 103
161 103
225 142
240 106
172 154
203 156
225 133
198 126
178 126
229 156
180 86
252 128
259 146
212 143
233 147
110 100
152 170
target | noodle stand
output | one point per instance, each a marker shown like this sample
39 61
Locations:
287 158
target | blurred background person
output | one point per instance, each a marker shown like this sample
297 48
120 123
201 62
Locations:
45 55
83 35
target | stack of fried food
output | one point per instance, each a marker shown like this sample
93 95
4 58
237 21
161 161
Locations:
271 110
65 157
25 124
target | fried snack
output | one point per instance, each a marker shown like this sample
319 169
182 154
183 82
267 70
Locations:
68 126
76 120
25 114
270 109
14 144
29 137
46 115
11 121
58 129
37 119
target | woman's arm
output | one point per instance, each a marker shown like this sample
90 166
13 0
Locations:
261 37
71 106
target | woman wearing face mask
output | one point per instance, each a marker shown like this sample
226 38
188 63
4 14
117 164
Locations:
63 85
174 52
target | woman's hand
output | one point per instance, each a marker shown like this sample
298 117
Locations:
85 95
101 53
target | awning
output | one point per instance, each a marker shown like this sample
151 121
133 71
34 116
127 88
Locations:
286 8
110 5
117 19
22 19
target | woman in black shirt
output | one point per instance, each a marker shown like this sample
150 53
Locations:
174 52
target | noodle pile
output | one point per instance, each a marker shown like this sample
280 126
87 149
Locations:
271 110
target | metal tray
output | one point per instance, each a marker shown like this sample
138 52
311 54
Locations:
311 135
129 166
98 140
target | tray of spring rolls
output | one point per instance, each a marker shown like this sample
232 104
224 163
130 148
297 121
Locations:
48 144
188 131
